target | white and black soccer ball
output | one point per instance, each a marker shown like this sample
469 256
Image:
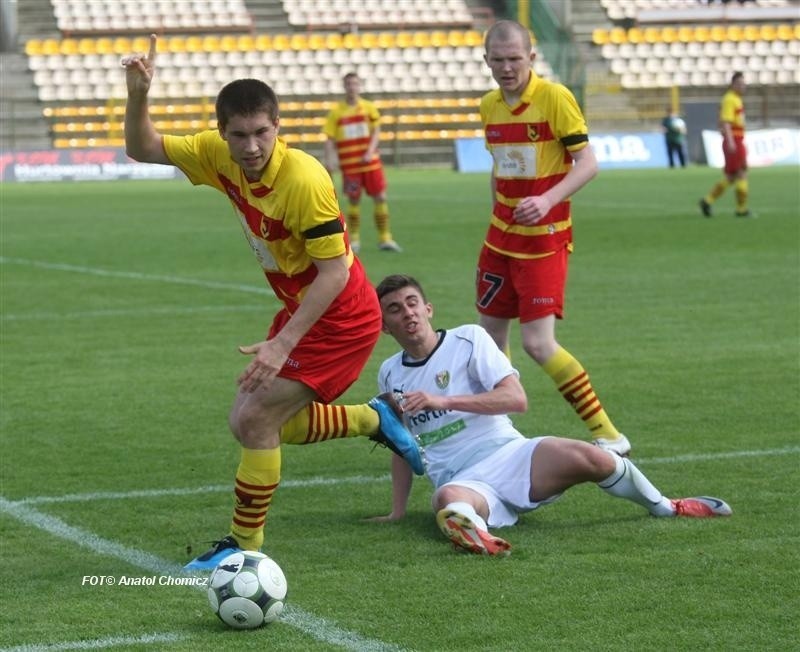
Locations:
247 589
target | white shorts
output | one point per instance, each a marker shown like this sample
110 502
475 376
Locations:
504 480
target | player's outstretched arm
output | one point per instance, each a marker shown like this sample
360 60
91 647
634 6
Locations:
402 479
142 141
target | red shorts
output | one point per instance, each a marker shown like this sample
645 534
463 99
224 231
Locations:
530 289
330 357
373 182
736 160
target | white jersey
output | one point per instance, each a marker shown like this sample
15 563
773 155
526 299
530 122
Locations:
466 361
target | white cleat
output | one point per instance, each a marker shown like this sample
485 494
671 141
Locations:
390 245
621 446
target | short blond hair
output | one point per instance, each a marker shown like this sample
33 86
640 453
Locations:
504 30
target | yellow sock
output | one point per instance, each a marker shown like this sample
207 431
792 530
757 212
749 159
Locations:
717 191
321 422
257 479
742 190
354 222
573 382
382 221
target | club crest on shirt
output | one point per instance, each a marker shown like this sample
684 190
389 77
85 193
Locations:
442 379
264 227
533 133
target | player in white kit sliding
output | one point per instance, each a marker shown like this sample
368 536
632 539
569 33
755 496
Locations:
456 389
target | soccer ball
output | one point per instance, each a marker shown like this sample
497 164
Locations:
247 589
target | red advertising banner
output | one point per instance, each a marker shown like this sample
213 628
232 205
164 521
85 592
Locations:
95 164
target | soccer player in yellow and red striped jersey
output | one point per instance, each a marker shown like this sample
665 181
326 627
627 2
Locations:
330 321
539 142
353 133
731 126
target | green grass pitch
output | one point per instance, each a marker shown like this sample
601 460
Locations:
123 305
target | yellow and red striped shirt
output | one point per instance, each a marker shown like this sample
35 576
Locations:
351 128
530 144
731 110
289 216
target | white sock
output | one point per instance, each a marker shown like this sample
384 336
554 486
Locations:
469 511
629 482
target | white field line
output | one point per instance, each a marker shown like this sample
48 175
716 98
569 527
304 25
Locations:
136 276
130 312
190 491
318 628
100 643
359 479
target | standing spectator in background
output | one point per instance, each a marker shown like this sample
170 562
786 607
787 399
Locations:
353 131
674 129
539 141
731 126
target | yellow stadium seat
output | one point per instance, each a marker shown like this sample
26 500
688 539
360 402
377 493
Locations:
701 34
119 45
600 36
69 46
210 43
387 40
246 42
473 38
734 33
228 44
405 40
351 41
333 41
33 47
263 43
368 40
636 35
194 44
785 32
439 38
752 33
176 44
316 41
422 39
718 33
669 34
618 35
298 42
89 45
768 33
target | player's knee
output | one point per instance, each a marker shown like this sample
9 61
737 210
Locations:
586 463
598 464
446 495
541 349
247 425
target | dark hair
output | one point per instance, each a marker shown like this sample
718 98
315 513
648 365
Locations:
245 97
350 75
736 77
398 282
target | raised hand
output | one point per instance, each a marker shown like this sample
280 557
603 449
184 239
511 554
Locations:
140 68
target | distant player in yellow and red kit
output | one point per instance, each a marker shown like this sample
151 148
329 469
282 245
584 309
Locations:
539 142
330 321
353 131
731 126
